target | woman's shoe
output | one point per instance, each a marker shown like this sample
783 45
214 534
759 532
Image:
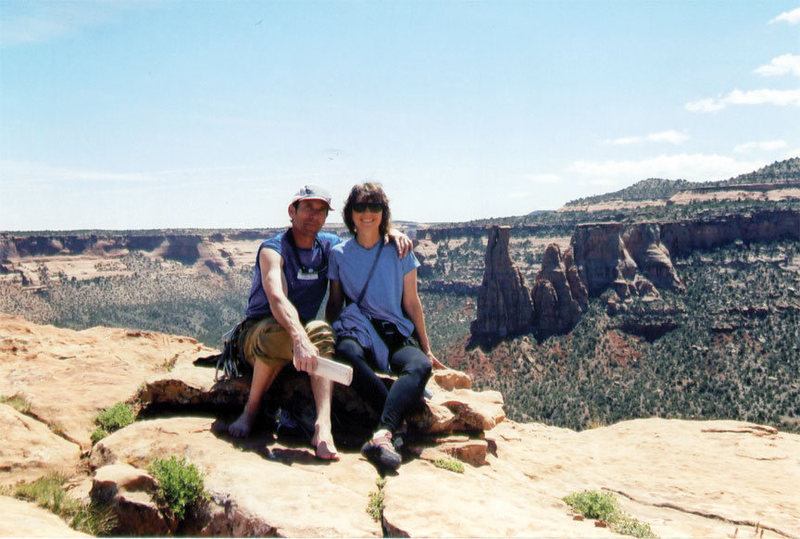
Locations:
381 452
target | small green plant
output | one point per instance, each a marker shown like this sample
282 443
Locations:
17 402
98 434
630 526
604 506
180 484
48 492
111 419
593 504
376 504
449 464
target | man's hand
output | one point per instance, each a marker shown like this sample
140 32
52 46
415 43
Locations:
305 356
403 242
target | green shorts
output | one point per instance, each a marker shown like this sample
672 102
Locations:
266 340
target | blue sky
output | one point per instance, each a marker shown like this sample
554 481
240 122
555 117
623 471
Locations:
155 114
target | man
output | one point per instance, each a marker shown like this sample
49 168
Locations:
289 283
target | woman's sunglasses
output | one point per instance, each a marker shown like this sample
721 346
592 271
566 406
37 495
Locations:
373 207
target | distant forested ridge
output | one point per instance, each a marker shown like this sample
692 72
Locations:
787 171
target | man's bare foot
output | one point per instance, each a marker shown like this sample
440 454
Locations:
326 451
241 427
324 448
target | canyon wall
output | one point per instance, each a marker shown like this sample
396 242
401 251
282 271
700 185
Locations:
615 260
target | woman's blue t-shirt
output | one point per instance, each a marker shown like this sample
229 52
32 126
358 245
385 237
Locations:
350 264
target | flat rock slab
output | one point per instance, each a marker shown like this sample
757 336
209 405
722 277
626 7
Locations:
30 449
270 485
23 519
68 376
683 478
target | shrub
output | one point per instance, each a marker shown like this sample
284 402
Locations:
114 418
449 464
180 484
98 434
593 504
111 419
604 506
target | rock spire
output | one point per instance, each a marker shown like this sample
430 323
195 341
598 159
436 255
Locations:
504 303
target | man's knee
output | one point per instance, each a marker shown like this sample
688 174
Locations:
266 341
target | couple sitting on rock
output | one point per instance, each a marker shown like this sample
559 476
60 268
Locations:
382 327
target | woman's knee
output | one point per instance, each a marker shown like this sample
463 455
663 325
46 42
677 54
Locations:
415 362
349 350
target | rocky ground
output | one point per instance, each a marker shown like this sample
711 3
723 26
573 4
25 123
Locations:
684 478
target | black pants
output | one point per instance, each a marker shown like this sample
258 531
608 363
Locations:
408 361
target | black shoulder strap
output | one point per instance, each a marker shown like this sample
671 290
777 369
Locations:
371 271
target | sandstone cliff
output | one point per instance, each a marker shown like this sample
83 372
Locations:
684 478
97 254
559 295
618 261
504 304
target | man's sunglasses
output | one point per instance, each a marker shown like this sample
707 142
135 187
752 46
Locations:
373 207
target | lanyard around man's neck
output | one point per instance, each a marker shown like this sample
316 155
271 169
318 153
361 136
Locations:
306 272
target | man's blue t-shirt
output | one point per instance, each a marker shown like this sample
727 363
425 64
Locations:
305 270
350 264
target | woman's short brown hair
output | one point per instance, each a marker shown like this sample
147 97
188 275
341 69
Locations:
369 192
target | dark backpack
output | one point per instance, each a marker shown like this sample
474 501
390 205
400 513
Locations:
230 360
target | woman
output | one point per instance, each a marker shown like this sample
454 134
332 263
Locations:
377 329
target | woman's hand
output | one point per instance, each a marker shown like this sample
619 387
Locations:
434 361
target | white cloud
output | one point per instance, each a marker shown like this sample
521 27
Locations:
766 145
705 105
752 97
791 17
679 166
672 137
787 64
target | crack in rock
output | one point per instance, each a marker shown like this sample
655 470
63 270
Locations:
704 514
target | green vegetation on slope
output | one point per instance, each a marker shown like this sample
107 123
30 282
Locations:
733 356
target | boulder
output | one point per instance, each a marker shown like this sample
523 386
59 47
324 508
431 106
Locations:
129 491
264 486
68 376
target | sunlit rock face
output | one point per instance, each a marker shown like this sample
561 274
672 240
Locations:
559 296
504 303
